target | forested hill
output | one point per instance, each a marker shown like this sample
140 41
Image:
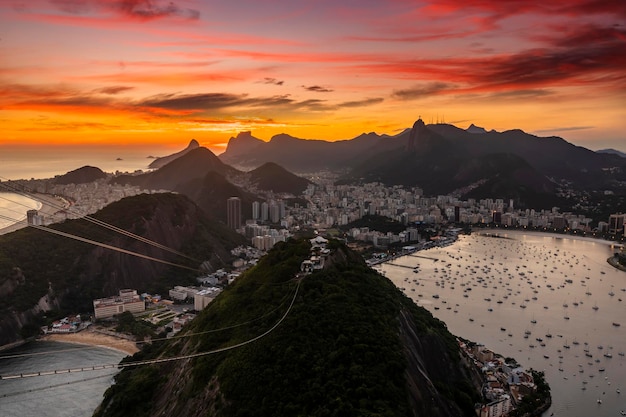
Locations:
41 271
351 345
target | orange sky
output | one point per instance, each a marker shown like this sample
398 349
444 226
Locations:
158 73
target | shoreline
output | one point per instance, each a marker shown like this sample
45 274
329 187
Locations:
89 337
46 208
502 232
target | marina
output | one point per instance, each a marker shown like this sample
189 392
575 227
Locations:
527 296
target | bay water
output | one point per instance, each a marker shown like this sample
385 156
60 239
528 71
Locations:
551 302
75 394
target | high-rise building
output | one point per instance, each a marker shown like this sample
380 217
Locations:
274 211
256 210
616 222
233 212
265 210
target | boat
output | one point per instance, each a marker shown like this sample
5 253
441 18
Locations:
595 307
616 324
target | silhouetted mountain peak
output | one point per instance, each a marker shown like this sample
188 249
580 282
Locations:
159 162
475 129
422 139
282 138
612 152
196 163
271 176
81 175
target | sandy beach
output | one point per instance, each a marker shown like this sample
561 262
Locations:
49 207
92 338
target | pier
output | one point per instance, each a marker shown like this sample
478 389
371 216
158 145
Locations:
425 257
402 266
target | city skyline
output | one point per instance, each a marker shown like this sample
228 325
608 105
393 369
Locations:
95 73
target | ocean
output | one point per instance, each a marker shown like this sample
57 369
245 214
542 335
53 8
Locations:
16 165
63 395
47 163
559 281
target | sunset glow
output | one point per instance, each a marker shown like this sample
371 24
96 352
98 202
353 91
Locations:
158 73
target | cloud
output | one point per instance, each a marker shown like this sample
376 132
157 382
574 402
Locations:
421 91
361 103
317 89
113 90
506 8
149 9
206 101
268 80
521 94
21 95
134 9
72 6
199 103
563 129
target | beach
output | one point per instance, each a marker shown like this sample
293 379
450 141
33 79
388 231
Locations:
49 206
91 337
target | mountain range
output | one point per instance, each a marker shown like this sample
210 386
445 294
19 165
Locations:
204 178
442 158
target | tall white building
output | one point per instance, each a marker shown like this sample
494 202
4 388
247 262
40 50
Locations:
127 300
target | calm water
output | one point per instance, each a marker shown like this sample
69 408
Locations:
66 395
479 273
15 206
47 163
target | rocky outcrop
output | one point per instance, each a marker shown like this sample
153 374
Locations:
164 160
81 176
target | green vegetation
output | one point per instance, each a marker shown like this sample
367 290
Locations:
536 401
131 390
382 224
35 264
338 352
126 323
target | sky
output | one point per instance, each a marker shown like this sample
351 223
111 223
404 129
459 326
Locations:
156 73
